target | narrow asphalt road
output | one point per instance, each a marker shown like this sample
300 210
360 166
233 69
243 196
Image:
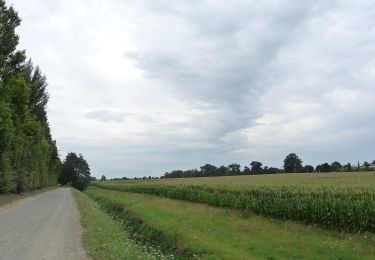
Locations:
42 227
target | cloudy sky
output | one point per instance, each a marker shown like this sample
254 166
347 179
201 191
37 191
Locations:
148 86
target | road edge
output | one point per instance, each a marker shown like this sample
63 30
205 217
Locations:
9 201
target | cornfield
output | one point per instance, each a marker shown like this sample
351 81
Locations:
342 209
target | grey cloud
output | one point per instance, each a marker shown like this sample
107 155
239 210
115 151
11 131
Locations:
205 81
223 60
107 115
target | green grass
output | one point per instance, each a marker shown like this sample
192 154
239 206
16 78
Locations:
103 237
215 233
346 209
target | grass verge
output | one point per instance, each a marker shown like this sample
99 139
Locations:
214 233
103 237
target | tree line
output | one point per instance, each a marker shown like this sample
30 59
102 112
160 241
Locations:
28 154
292 164
29 157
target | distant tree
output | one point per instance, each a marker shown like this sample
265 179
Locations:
346 168
75 170
246 171
191 173
308 168
208 170
234 169
292 163
103 178
256 167
273 170
174 174
367 165
336 167
222 171
325 167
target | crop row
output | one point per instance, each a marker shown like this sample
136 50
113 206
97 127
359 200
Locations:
343 209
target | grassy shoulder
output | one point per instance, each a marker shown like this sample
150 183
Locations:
215 233
103 237
8 199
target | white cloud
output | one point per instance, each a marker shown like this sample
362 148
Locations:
142 87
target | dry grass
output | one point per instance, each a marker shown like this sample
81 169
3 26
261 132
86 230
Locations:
346 179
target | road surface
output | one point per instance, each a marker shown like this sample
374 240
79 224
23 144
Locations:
42 227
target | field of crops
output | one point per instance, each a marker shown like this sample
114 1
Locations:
343 202
244 217
345 179
187 230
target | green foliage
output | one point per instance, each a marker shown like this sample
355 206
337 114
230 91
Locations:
308 169
343 209
28 155
215 233
234 169
103 237
292 163
208 170
256 167
325 167
75 170
10 59
140 230
366 165
336 166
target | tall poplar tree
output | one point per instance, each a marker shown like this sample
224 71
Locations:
28 155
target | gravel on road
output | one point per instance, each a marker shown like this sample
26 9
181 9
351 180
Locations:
46 226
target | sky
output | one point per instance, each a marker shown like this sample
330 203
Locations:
144 87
